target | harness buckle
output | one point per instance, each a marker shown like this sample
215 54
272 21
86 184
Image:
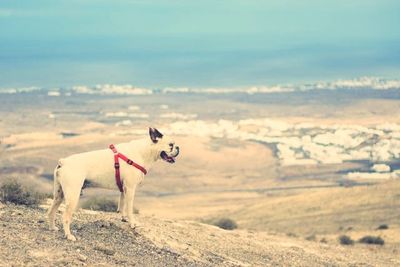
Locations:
114 150
130 162
116 165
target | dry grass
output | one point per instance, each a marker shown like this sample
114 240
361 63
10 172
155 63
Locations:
324 211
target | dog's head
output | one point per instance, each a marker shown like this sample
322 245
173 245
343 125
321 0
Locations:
165 146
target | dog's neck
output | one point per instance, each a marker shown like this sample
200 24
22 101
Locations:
147 151
150 155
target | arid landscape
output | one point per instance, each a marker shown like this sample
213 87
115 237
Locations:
262 133
295 169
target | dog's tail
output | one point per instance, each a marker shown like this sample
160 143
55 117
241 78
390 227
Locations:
57 186
60 164
57 169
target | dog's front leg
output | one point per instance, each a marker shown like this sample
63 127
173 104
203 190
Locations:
122 207
128 205
121 203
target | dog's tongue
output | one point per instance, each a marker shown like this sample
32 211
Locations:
171 159
167 158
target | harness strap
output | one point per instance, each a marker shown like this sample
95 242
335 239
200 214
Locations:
117 156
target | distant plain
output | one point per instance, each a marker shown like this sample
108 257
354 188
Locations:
215 176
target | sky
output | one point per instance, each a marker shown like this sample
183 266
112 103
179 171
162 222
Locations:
219 43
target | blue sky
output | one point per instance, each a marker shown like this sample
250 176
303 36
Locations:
196 43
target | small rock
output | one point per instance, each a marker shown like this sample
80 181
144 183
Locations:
105 224
105 250
82 258
40 221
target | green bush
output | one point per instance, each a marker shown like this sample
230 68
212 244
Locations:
345 240
12 191
226 223
374 240
101 204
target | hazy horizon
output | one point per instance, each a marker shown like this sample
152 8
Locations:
208 44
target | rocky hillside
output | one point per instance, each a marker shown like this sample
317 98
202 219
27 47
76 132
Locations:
104 240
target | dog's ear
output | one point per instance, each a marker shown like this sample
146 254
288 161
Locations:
155 134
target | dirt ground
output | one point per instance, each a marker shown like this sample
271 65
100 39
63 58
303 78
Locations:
104 240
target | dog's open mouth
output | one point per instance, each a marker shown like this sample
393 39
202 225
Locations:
167 158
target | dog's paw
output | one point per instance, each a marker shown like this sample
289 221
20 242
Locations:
71 237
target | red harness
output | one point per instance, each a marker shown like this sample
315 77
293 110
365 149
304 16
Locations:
118 155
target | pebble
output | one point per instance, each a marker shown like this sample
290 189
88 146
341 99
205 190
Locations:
105 250
82 258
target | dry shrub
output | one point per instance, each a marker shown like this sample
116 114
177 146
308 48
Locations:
100 204
12 191
372 240
312 237
345 240
103 204
383 227
226 223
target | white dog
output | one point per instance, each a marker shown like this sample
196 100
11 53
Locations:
100 168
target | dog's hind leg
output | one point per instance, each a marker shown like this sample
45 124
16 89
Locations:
71 183
71 195
57 199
